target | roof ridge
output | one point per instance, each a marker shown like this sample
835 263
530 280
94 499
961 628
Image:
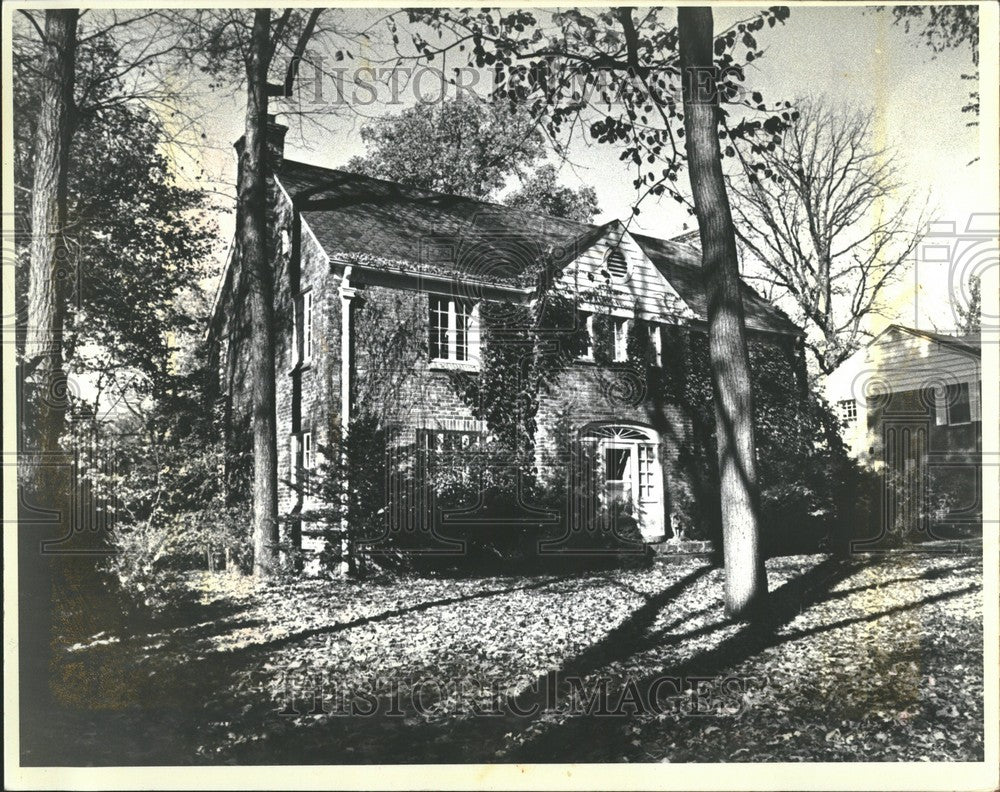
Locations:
584 226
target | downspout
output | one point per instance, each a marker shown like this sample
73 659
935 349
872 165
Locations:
347 293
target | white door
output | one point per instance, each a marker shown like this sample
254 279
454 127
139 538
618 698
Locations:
629 466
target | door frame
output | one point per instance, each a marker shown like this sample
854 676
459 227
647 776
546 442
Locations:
650 512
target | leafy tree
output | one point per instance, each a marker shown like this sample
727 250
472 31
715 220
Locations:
970 316
827 225
543 193
139 239
469 147
463 146
245 44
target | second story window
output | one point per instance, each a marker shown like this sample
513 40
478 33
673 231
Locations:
454 330
302 330
620 327
656 345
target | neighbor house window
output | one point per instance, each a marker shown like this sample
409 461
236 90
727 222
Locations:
454 330
959 409
848 409
621 339
302 329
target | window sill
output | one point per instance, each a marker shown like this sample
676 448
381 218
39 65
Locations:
453 365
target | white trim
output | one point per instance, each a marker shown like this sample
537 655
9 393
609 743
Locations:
450 314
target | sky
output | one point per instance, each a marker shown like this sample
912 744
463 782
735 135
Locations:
850 55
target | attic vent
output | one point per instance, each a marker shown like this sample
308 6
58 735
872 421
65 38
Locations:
616 264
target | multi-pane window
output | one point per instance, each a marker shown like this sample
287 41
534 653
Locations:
620 328
647 469
848 409
450 450
959 408
302 329
453 329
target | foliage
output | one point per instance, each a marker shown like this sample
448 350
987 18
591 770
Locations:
806 477
139 239
469 147
462 146
970 315
159 472
541 192
615 74
826 225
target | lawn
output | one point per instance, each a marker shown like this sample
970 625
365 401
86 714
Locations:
865 659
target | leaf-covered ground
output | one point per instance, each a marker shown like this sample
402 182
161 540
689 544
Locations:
869 659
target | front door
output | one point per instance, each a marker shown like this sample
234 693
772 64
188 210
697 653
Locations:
631 475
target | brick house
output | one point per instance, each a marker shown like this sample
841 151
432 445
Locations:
363 266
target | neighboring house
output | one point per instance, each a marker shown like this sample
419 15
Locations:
364 266
917 398
844 390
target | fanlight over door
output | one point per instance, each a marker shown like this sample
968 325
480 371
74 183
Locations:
629 473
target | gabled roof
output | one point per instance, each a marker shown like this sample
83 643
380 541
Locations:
427 231
968 342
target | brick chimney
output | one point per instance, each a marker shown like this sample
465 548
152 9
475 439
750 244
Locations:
275 141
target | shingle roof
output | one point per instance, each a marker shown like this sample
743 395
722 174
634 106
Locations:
969 342
448 234
680 264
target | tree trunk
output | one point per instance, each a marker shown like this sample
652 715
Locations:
746 580
51 266
252 219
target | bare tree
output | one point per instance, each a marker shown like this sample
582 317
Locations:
827 226
746 579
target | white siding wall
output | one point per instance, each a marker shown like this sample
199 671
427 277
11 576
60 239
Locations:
906 362
644 287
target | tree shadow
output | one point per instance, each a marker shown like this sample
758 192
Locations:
329 629
583 739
